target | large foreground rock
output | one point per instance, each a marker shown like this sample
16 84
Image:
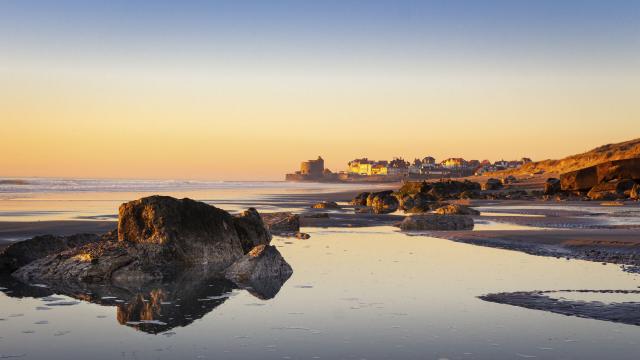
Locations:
24 252
189 231
158 237
436 222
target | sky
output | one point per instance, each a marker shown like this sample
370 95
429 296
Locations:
245 90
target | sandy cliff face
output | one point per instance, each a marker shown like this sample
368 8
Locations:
625 150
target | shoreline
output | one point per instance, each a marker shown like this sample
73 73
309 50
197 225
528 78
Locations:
570 229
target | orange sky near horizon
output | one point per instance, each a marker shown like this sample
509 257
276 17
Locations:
198 124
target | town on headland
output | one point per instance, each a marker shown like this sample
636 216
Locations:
365 170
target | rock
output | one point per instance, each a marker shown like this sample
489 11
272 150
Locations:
379 194
414 187
360 199
634 194
492 184
281 222
452 189
22 253
261 264
326 205
188 231
551 186
436 222
251 229
455 209
303 236
611 190
586 178
509 180
158 236
383 202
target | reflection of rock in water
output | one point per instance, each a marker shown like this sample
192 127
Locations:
622 312
155 307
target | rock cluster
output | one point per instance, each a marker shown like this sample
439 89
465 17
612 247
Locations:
611 180
157 238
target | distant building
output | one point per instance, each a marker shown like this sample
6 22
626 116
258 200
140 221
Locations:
312 168
454 163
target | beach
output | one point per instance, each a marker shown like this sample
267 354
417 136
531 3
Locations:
384 293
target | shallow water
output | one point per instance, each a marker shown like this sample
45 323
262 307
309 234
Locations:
86 199
370 293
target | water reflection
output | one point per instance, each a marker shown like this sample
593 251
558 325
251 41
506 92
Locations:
152 308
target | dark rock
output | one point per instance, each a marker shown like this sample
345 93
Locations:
436 222
452 189
551 186
360 199
414 187
634 194
509 180
587 178
303 236
158 237
261 264
326 205
188 232
383 202
611 190
455 209
492 184
22 253
281 222
251 229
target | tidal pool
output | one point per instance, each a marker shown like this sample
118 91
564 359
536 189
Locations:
366 293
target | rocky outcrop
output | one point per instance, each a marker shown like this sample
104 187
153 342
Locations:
492 184
435 191
188 231
611 190
455 209
158 237
360 199
326 205
22 253
551 186
263 262
587 178
436 222
281 223
382 202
